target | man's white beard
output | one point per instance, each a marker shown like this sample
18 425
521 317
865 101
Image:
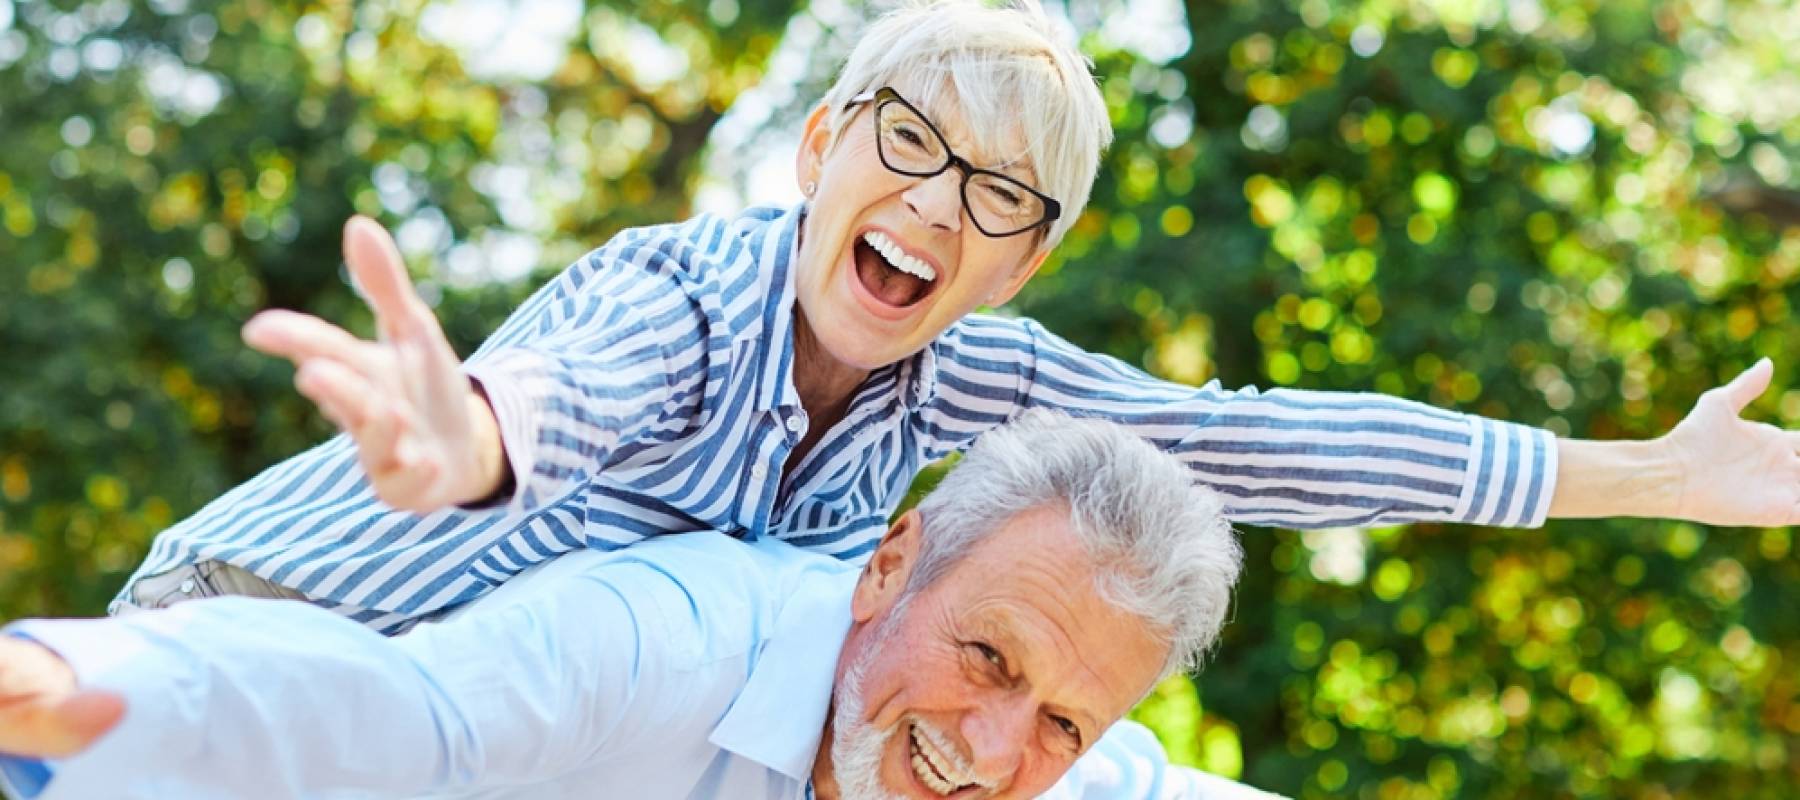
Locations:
856 745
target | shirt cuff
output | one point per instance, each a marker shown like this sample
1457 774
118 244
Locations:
505 379
23 778
1511 475
123 658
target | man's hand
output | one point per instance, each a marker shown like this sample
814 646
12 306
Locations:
426 438
1715 467
42 713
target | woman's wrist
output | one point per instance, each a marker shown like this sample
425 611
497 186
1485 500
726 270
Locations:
494 480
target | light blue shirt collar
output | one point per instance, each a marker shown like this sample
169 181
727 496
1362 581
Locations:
778 717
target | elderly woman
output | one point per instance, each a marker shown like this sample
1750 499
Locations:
786 373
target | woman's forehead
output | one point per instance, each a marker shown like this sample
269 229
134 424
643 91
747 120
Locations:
991 135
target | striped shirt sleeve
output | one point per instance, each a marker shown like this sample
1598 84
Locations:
1283 457
615 354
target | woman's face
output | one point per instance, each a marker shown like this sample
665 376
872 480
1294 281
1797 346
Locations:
890 261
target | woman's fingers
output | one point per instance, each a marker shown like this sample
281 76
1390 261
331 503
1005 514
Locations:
375 263
400 467
357 406
302 337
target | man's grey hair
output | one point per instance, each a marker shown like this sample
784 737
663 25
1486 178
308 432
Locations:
1160 541
1002 70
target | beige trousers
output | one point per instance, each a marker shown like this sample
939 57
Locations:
195 581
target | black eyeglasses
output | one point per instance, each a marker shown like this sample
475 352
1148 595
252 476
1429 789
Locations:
910 145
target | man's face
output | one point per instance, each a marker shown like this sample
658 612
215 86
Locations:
992 679
870 229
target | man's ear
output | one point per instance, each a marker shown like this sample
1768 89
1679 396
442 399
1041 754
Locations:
815 142
1020 275
884 578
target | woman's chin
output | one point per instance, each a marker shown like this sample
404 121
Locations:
850 336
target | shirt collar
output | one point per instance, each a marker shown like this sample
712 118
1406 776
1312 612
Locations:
776 247
779 715
918 377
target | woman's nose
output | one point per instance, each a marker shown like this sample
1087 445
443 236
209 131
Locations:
937 201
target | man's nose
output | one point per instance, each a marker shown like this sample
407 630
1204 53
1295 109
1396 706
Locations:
998 735
937 201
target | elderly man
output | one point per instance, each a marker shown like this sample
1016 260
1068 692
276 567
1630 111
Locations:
993 635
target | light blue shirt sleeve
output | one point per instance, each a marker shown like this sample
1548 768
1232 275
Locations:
232 697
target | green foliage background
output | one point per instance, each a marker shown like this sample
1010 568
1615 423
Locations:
1572 214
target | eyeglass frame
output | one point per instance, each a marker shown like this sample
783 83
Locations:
887 94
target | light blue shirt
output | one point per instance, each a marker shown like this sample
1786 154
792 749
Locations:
692 666
649 389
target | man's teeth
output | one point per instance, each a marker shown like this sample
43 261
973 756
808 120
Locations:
929 762
898 257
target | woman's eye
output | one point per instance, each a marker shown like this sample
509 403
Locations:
1004 199
909 137
1069 729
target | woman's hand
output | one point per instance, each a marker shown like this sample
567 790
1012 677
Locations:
42 712
1715 467
423 433
1734 471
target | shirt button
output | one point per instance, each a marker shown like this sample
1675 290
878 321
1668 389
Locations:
759 472
187 586
793 424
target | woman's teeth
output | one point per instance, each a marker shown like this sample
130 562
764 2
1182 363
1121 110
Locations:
897 258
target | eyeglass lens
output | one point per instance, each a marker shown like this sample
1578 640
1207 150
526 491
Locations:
910 146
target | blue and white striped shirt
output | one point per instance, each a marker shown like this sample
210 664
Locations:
648 389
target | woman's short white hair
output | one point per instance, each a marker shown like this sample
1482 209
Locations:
1164 550
1004 73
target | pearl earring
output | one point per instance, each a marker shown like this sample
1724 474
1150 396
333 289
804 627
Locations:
810 188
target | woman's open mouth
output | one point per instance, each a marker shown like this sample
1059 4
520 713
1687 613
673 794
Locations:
888 274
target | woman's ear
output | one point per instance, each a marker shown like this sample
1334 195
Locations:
815 142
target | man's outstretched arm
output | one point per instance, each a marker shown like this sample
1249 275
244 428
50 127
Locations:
235 697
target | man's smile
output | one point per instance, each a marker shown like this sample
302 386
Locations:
934 765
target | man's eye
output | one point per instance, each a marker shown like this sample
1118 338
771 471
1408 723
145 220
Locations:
991 655
1069 729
